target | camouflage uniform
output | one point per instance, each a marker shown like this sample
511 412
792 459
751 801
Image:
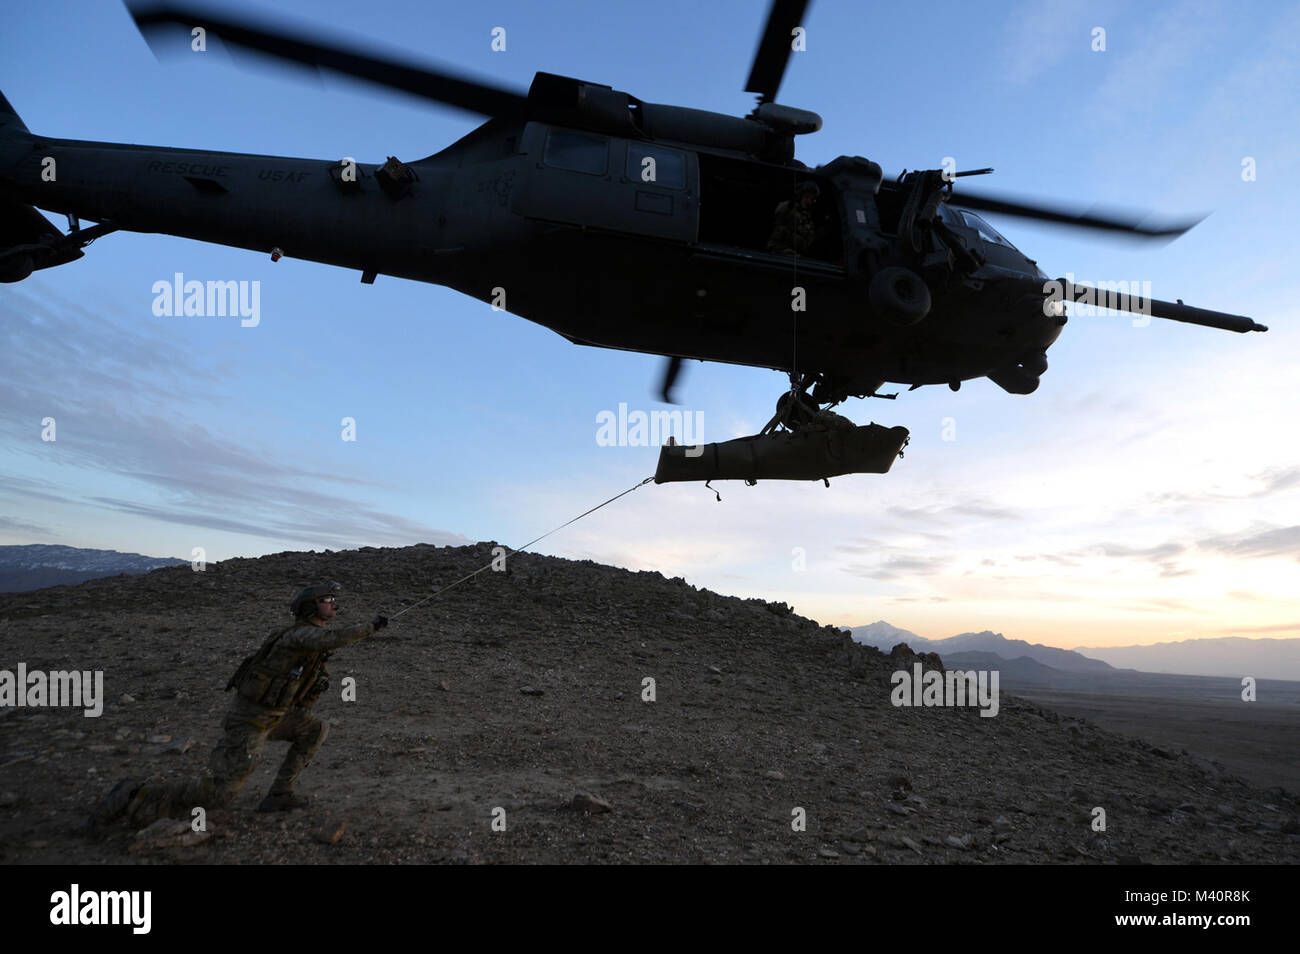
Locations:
274 702
793 230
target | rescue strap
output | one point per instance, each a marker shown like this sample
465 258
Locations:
469 576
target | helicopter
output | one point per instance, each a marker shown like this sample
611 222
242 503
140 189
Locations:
616 223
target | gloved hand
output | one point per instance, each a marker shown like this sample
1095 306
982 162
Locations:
379 622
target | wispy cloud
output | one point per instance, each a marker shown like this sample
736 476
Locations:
107 388
1159 606
1273 628
948 515
1038 34
1283 541
22 526
893 567
1144 73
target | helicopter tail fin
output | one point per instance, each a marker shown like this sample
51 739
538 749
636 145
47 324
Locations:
9 119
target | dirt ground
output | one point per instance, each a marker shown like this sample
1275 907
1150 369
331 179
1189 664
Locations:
1259 741
480 716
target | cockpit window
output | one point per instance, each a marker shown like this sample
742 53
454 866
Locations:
656 165
576 152
987 232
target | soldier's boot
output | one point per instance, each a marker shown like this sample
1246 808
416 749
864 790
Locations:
112 806
282 802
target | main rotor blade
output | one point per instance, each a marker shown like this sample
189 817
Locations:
437 85
1108 222
774 48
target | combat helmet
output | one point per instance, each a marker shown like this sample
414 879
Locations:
309 594
808 187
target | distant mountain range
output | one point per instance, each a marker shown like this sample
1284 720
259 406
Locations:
884 637
1126 668
1221 656
38 565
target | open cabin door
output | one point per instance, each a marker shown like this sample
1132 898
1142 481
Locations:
587 179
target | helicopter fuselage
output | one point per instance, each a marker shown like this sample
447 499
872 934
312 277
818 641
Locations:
610 241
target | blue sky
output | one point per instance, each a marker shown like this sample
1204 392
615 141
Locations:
1149 490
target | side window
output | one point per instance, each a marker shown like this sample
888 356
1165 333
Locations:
576 152
655 165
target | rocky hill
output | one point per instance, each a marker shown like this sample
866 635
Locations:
520 697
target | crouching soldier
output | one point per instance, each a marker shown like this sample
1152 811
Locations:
276 688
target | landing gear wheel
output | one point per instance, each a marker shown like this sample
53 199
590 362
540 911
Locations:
899 295
794 409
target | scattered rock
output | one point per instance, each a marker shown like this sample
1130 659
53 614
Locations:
8 799
1001 825
591 804
897 809
532 691
909 843
827 853
126 698
158 739
775 775
329 831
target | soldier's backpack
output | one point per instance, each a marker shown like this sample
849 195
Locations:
257 682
